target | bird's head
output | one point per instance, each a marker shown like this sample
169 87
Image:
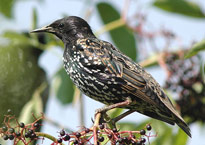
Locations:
68 29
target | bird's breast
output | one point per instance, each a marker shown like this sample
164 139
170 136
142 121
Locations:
90 76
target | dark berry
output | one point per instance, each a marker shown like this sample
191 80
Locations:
11 137
142 140
87 130
75 141
77 134
5 137
67 137
101 139
62 132
149 127
21 125
109 136
142 132
27 135
101 126
18 134
59 140
30 131
120 140
114 129
36 125
33 135
133 142
133 136
139 143
125 139
4 128
11 130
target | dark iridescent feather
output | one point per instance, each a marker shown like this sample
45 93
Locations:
105 74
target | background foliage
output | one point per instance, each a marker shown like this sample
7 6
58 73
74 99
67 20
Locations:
21 77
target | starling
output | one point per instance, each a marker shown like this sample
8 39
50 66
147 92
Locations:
104 73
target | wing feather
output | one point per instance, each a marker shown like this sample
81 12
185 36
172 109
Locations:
138 82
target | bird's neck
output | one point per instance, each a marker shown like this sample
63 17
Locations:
70 42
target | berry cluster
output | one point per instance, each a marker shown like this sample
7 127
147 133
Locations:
106 135
186 80
19 132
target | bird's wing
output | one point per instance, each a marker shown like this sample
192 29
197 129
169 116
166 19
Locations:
142 85
150 91
105 57
135 79
114 63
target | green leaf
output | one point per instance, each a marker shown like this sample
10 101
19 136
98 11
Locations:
64 87
181 138
195 49
164 133
35 105
132 126
17 38
122 37
38 41
115 112
6 7
20 75
183 7
203 72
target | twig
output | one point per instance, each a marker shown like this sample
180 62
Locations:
95 127
48 136
110 26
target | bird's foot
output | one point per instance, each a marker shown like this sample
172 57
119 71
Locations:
103 110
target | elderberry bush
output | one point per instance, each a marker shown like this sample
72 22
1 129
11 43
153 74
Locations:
185 78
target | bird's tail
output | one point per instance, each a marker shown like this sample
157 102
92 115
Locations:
183 126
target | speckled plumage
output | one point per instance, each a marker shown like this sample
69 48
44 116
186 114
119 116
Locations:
105 74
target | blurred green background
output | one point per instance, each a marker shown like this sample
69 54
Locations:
165 36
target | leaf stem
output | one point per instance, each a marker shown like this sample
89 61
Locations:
48 136
110 26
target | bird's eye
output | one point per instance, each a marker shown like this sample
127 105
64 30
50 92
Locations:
61 25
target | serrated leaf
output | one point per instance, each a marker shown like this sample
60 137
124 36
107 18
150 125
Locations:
122 37
64 87
6 7
196 49
183 7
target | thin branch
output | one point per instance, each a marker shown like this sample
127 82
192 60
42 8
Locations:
81 110
48 136
110 26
